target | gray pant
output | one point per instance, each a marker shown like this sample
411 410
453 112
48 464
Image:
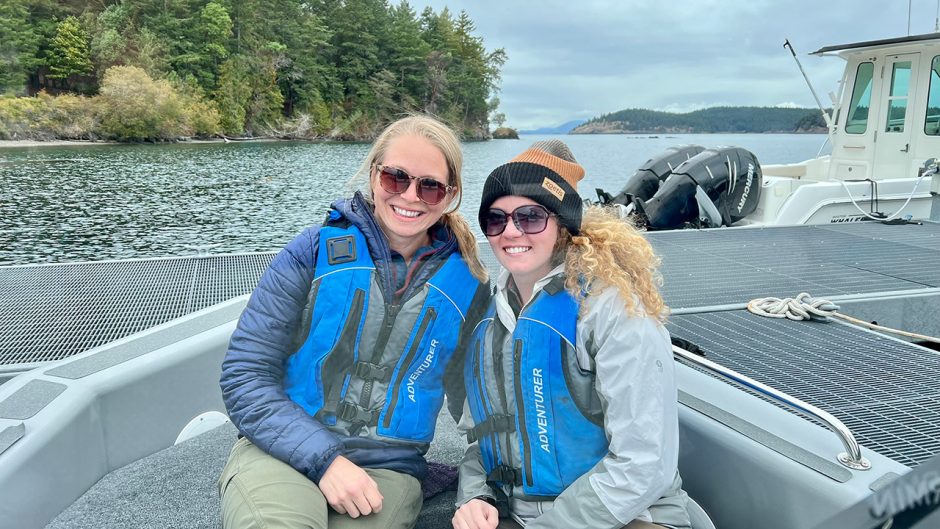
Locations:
261 492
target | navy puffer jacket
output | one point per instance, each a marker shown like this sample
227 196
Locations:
253 371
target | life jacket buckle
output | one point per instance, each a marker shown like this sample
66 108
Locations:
505 474
492 424
368 371
357 414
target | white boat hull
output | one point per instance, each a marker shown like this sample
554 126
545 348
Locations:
787 201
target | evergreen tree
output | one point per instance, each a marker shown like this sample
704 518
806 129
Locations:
266 101
469 86
209 32
233 94
19 44
304 76
407 54
437 32
69 52
340 66
109 41
355 47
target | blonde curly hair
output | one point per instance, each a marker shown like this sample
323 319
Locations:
612 251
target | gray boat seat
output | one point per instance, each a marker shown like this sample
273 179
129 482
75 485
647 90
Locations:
176 487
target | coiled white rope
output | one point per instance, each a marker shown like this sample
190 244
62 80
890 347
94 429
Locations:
805 307
802 307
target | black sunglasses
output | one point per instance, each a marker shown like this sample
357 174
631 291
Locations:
530 219
397 181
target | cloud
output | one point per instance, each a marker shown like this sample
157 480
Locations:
583 58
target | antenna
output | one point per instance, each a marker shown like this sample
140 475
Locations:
826 117
909 17
936 24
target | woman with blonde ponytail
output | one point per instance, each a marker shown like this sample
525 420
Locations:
337 370
571 410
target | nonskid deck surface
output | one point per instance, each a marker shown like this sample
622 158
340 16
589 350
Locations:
709 268
51 312
882 388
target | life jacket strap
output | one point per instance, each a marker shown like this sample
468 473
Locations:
493 424
369 371
555 285
502 502
354 413
505 474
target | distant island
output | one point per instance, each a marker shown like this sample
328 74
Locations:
708 120
564 128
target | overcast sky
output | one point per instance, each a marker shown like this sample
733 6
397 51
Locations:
571 59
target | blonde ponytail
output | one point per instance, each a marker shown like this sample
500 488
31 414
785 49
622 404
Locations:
467 243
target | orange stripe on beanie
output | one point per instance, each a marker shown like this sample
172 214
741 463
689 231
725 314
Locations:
555 155
547 173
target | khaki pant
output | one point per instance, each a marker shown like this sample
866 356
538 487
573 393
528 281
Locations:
259 491
509 523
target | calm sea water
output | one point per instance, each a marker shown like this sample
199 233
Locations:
62 204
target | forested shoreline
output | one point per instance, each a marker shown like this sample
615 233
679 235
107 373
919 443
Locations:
708 120
156 70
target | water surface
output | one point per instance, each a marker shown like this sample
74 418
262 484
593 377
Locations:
80 203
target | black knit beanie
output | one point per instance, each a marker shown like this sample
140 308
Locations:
547 173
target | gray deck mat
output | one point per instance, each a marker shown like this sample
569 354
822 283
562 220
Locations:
883 389
707 268
51 312
175 488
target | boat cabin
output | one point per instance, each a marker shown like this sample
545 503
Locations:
885 125
887 114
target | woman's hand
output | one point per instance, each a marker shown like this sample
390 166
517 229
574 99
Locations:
349 490
476 514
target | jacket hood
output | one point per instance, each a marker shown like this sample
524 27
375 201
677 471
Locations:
355 209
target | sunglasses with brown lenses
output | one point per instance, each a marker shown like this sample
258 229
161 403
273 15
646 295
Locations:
397 181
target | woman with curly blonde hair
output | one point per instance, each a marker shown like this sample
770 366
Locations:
571 410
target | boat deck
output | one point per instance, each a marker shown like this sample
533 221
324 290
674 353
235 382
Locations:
52 312
880 386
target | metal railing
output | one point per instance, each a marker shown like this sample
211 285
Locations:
851 458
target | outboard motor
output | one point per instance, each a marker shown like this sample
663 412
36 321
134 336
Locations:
646 180
716 187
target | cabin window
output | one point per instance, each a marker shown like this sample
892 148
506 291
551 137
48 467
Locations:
932 122
857 120
897 99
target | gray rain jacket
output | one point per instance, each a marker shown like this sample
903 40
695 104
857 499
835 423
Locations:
635 384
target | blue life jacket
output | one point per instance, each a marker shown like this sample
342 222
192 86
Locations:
559 439
367 363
